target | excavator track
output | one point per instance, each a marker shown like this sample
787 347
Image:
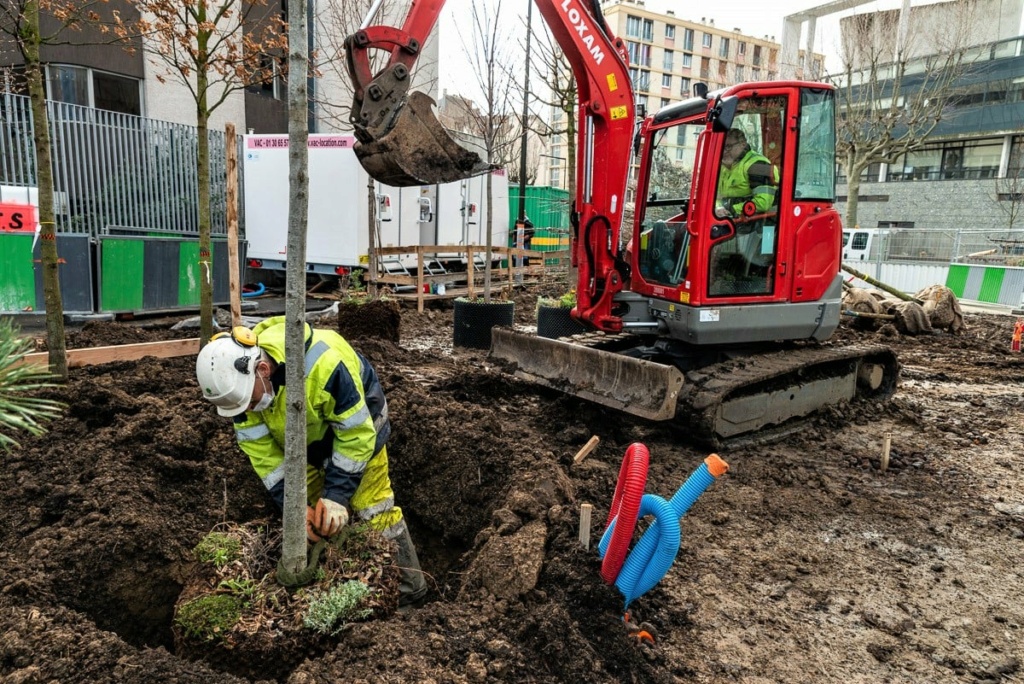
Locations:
750 398
756 397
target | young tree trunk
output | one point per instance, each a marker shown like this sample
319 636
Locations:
853 197
205 252
488 219
44 177
293 548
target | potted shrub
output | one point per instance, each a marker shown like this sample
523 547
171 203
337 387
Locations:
361 315
474 319
554 319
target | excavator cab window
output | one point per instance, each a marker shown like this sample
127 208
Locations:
664 241
748 198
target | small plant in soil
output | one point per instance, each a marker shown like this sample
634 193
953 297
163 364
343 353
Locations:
566 301
209 618
19 411
218 548
337 606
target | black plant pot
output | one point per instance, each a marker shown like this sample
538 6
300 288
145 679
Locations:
474 320
556 321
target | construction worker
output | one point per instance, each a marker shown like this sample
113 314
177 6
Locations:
745 176
243 375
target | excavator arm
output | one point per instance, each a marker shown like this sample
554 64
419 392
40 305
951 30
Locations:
401 142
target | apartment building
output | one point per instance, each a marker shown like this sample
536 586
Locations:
668 54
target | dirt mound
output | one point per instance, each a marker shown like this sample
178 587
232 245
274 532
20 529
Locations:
805 563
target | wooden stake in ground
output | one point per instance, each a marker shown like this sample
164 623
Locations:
585 512
587 448
231 160
886 446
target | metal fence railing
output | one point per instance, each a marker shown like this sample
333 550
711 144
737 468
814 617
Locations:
1005 248
113 169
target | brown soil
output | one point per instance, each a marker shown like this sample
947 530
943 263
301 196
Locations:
806 563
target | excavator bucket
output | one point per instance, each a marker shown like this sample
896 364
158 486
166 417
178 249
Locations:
417 150
635 386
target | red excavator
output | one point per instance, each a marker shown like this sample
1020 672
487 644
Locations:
717 310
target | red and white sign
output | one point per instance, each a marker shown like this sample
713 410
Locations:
17 218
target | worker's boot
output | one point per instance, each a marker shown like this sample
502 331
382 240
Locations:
412 587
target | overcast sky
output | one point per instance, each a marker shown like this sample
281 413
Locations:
756 18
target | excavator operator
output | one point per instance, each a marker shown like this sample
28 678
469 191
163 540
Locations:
243 375
745 176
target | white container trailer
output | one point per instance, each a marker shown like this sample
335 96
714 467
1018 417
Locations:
338 236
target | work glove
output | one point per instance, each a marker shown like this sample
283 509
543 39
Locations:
328 518
723 212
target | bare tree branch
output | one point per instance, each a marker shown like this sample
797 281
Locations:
888 106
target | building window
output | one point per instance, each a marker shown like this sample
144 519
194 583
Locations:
68 84
640 55
556 178
633 26
670 31
705 40
741 47
705 68
723 47
641 79
648 30
684 86
634 51
687 60
1016 165
755 74
688 39
91 88
667 60
953 161
739 73
757 55
666 80
665 102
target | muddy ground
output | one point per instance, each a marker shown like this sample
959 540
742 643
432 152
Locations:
806 563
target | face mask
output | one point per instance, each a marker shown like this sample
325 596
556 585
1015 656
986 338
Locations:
268 397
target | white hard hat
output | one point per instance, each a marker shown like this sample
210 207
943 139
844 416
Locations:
226 371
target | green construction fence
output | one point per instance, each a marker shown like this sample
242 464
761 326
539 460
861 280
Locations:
992 284
21 274
156 273
548 209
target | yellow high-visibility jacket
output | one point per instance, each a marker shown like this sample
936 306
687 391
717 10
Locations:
347 427
752 178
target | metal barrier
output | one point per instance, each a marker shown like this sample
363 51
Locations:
113 169
21 287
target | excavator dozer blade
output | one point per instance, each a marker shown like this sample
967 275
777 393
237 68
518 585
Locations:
417 150
635 386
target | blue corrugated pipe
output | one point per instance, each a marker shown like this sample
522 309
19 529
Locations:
260 289
654 554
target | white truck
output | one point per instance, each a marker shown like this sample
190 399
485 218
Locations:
338 237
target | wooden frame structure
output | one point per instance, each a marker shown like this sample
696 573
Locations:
466 282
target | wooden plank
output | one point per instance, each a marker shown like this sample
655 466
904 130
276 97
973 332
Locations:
92 356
